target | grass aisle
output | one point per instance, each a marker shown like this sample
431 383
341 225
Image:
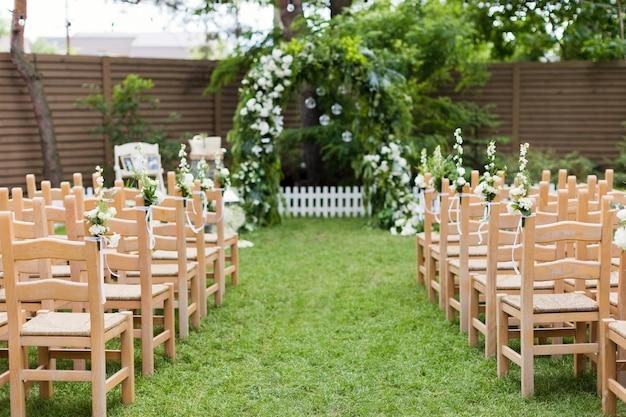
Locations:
328 321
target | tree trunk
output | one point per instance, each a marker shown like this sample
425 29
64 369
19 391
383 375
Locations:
51 163
311 148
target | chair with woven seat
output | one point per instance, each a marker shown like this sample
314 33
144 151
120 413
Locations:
63 334
469 255
500 275
211 262
612 340
169 237
228 240
436 253
541 315
144 299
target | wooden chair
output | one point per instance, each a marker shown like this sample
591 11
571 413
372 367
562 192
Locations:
500 276
428 236
170 262
215 279
228 241
210 260
539 315
469 255
435 261
49 330
612 339
144 299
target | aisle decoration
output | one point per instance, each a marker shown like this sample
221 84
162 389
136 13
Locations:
98 217
487 188
184 177
148 185
389 174
457 177
520 203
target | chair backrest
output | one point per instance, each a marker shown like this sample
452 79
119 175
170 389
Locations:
16 251
578 267
129 159
136 256
169 223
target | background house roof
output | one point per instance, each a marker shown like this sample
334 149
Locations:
137 45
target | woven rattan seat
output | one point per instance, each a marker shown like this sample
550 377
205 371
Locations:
67 324
618 327
120 292
553 303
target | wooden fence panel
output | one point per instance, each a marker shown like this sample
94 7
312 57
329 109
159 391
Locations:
563 106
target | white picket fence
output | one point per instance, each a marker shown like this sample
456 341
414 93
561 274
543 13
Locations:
322 201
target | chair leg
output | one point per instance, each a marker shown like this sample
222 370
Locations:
127 362
45 387
502 333
608 359
448 282
18 360
169 323
196 295
147 340
234 260
472 332
527 343
420 260
580 337
183 308
98 380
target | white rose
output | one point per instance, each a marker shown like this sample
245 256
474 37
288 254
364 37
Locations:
621 215
620 238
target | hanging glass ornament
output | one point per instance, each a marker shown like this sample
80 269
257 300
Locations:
310 103
346 136
324 119
320 91
336 109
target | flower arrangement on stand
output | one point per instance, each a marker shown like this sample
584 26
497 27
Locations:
520 203
98 217
389 175
487 188
457 177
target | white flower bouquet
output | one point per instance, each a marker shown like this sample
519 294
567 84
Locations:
98 217
520 203
488 187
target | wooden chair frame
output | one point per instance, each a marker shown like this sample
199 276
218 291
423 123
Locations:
73 331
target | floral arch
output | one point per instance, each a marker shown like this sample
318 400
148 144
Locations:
357 94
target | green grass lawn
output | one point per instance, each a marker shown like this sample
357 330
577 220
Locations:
328 321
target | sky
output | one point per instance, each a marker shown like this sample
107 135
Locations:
48 17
